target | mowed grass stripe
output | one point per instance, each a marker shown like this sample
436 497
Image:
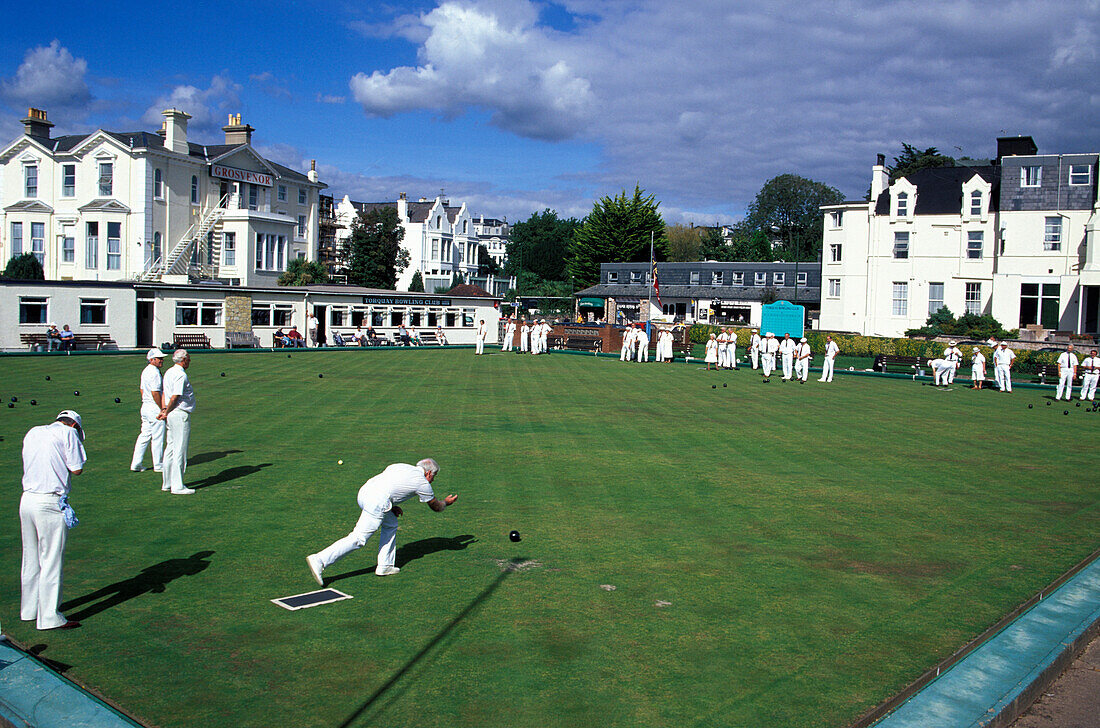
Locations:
818 546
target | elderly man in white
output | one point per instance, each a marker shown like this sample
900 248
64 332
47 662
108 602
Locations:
1067 371
1090 368
954 355
977 369
482 331
723 350
524 335
52 454
642 344
755 344
768 350
151 436
1002 363
626 352
509 335
378 499
941 369
827 364
802 356
179 402
786 350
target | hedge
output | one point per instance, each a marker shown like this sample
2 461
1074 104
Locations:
1027 362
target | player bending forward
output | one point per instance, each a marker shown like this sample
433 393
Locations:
378 498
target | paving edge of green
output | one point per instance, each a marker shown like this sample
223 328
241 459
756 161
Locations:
34 695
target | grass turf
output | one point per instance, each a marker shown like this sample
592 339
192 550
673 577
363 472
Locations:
781 554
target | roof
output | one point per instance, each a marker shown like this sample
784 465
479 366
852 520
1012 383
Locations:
739 293
939 189
469 290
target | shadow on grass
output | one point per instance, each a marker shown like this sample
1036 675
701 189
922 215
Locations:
205 457
55 665
415 550
152 579
427 648
227 475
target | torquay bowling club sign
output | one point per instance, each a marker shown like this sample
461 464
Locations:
240 175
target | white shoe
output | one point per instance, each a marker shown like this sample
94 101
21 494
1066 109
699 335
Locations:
139 469
315 568
165 488
386 570
183 491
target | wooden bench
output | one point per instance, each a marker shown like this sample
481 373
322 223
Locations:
584 343
241 340
79 341
555 342
191 341
905 362
428 338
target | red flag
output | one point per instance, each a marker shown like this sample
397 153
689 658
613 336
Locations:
656 286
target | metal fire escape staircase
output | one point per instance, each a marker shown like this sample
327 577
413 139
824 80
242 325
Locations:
180 259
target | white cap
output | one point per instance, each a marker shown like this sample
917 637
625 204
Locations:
769 335
71 415
976 349
952 343
803 340
154 353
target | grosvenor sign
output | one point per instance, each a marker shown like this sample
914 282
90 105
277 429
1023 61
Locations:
240 175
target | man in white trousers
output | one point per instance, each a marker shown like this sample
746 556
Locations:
754 349
827 364
482 330
642 344
940 371
626 353
179 402
723 351
954 355
52 454
151 436
994 347
731 349
509 335
378 499
802 356
1002 363
524 335
769 349
1090 369
1067 371
786 350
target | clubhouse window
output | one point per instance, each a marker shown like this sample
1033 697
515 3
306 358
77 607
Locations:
612 276
803 278
199 313
272 314
33 310
717 278
93 311
468 317
397 317
338 315
739 278
779 279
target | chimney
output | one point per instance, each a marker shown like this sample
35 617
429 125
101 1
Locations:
312 170
236 132
880 177
402 196
175 130
1017 146
35 124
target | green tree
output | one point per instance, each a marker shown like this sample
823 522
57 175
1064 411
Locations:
486 266
618 230
416 285
374 252
684 242
302 272
457 280
539 244
712 246
912 159
788 208
754 245
24 267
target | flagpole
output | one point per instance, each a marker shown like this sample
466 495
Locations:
653 271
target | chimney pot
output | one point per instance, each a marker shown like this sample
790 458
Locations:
236 132
36 124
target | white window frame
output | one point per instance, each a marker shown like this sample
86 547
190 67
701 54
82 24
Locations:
901 246
834 288
280 193
68 181
106 184
38 241
760 278
802 279
932 300
30 181
201 310
158 184
43 301
16 239
973 298
90 304
612 276
972 237
114 247
899 303
837 218
779 278
976 203
1082 177
836 252
1052 233
738 278
902 202
717 277
229 249
300 231
693 278
68 249
1031 175
91 245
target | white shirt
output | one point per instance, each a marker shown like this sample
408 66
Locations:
723 339
771 345
311 324
177 383
802 350
786 346
395 484
952 354
481 331
978 359
1066 360
1091 364
831 350
1003 357
50 452
150 382
754 342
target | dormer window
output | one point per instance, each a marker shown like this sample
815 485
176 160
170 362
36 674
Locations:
716 278
1080 174
1031 176
903 204
635 276
976 203
693 277
612 276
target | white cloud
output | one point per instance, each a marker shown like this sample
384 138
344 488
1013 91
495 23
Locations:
330 99
209 108
49 77
702 102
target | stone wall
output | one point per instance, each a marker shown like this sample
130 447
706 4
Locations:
238 314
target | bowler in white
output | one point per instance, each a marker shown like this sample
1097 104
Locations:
52 454
1067 370
179 403
1090 368
151 436
827 364
378 499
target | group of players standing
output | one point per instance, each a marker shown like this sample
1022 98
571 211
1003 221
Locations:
532 336
635 345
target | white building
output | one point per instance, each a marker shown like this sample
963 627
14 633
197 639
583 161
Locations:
140 315
439 237
111 206
1014 238
493 235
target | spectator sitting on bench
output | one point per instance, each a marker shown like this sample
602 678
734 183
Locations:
279 338
360 337
53 338
294 338
403 336
439 335
371 333
67 338
337 338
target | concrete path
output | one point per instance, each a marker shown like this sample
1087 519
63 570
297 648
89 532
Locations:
1073 701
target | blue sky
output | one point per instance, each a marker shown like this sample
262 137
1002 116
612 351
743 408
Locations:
513 106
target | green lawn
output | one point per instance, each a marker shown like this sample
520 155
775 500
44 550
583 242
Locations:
781 555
